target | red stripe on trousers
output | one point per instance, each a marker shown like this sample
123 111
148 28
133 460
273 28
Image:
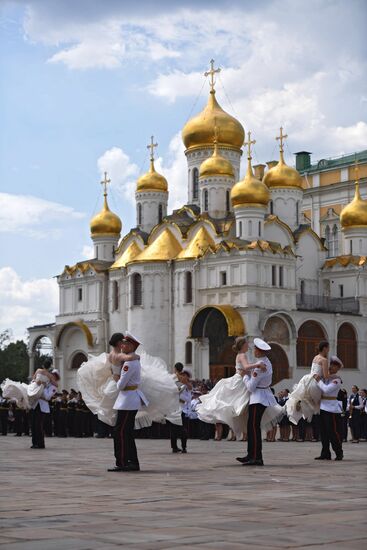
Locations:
254 428
335 430
122 456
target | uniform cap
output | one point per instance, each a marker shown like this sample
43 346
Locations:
187 371
261 344
131 338
55 371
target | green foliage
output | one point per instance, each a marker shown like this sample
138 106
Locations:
14 361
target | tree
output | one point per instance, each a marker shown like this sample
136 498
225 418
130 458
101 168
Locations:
14 360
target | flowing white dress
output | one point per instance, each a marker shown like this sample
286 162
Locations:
99 390
25 395
304 401
228 402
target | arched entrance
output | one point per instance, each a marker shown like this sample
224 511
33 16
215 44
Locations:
41 351
77 360
279 361
310 335
219 325
347 346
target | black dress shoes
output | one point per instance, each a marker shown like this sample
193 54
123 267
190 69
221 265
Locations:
338 457
115 469
253 463
128 468
242 459
184 451
322 457
176 450
37 447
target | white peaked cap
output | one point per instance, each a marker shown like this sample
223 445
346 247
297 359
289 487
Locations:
131 337
187 371
55 371
260 344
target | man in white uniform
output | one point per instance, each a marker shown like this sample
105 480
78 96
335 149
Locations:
129 400
258 384
330 412
39 409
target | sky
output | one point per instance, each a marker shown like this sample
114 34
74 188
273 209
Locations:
85 83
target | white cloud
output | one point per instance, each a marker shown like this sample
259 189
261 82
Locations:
24 303
87 252
30 215
174 169
120 170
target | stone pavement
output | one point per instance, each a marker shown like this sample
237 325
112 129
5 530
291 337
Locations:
63 498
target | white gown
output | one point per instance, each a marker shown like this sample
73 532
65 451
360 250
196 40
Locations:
304 401
228 403
99 390
16 391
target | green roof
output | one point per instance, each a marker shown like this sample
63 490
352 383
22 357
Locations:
337 162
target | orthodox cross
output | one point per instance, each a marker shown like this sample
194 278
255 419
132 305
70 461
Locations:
248 144
211 73
356 171
281 137
152 146
105 182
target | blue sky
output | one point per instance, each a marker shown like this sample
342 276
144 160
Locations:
85 83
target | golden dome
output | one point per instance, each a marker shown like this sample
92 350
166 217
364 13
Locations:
165 247
198 245
127 256
250 190
199 130
283 175
106 223
152 181
216 165
355 213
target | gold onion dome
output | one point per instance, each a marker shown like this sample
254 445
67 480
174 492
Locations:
105 223
250 191
216 165
165 247
355 213
199 131
152 181
282 175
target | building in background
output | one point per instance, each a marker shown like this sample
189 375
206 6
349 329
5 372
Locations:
279 253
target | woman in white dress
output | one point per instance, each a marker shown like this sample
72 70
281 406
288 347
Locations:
304 401
99 389
227 402
25 395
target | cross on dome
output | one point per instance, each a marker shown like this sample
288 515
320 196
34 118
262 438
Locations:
248 143
356 171
280 138
211 73
152 146
105 182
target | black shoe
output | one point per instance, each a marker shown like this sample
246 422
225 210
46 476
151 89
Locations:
242 459
176 450
115 469
184 451
37 447
339 457
322 457
133 467
253 463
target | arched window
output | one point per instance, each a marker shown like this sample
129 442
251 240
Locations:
77 360
271 206
297 213
259 229
206 200
228 203
335 241
188 287
160 213
195 183
302 285
250 228
240 229
139 214
327 241
188 353
310 335
115 295
346 348
137 294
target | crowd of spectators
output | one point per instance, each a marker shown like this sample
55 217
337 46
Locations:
70 417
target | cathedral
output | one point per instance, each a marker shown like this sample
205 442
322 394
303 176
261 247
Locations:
279 253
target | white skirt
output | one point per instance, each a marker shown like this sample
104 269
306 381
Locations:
228 402
99 390
16 391
304 401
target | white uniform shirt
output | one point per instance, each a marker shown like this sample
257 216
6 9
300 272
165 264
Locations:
43 402
258 384
185 398
330 389
128 399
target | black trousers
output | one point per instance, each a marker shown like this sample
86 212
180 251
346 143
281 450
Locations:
38 436
354 424
124 441
4 413
331 432
254 443
179 432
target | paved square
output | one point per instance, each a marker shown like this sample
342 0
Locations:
63 498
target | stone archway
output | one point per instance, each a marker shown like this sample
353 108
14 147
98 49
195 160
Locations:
347 346
219 325
310 334
279 361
